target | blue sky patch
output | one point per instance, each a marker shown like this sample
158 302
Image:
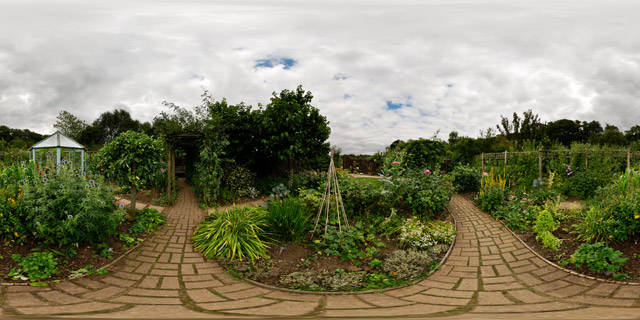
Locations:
395 105
287 63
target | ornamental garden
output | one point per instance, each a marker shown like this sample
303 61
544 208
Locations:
61 219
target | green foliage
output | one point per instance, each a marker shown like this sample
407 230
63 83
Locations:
66 207
129 240
350 244
545 222
493 192
288 219
548 240
408 264
132 159
323 280
584 184
294 129
147 220
12 215
424 193
424 154
597 225
622 206
598 257
239 179
517 215
34 267
465 179
87 270
69 125
237 233
423 236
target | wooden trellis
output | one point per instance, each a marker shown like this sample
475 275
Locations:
559 154
332 199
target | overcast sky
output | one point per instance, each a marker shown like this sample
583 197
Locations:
378 70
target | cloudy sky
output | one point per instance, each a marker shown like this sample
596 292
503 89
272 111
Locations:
379 70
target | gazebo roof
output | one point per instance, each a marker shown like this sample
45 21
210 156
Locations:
57 140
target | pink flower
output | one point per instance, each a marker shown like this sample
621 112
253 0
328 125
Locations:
427 171
396 162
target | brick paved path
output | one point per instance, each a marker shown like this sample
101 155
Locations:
490 274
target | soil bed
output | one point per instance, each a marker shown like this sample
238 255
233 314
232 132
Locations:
287 258
570 243
86 255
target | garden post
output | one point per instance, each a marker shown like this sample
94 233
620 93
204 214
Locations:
540 164
505 159
628 159
168 174
586 159
482 159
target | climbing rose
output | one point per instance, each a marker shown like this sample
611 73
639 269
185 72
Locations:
396 162
427 171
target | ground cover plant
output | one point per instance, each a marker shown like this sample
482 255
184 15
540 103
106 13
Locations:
275 244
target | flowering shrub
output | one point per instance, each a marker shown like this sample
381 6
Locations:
423 236
67 207
493 192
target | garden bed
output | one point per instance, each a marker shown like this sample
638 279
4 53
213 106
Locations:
302 259
96 256
570 243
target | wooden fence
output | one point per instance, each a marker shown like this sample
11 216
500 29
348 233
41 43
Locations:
504 157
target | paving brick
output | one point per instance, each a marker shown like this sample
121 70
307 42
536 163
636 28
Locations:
632 292
103 293
154 293
468 285
492 298
285 308
449 293
252 292
527 296
521 308
70 287
502 286
146 300
603 289
382 300
404 311
235 304
203 284
283 295
149 282
437 300
23 299
58 297
69 309
170 283
345 302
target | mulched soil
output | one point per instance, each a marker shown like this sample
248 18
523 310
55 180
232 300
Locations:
85 256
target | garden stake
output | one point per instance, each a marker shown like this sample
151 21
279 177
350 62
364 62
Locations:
325 205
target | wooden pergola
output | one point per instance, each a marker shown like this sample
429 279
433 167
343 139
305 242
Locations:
171 141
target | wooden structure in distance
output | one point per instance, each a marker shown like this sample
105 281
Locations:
332 191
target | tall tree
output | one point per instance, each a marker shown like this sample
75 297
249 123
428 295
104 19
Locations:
115 122
528 127
293 130
612 136
633 134
564 131
69 125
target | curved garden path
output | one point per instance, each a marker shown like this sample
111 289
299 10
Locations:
489 274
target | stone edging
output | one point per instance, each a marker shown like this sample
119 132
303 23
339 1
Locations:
560 267
108 265
442 261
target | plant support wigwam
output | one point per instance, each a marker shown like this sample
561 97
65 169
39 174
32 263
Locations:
331 205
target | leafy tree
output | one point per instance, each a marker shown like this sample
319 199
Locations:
92 137
115 122
591 131
633 134
564 131
132 159
69 125
424 154
612 136
293 129
528 127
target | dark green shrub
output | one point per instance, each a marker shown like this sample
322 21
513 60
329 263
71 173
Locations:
584 184
350 244
516 215
465 178
598 257
597 225
233 234
492 199
288 219
66 207
239 180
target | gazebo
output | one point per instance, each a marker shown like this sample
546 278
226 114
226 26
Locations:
64 147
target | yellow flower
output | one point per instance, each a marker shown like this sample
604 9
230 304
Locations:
610 237
637 216
16 234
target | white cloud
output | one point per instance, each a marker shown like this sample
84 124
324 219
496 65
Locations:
563 59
